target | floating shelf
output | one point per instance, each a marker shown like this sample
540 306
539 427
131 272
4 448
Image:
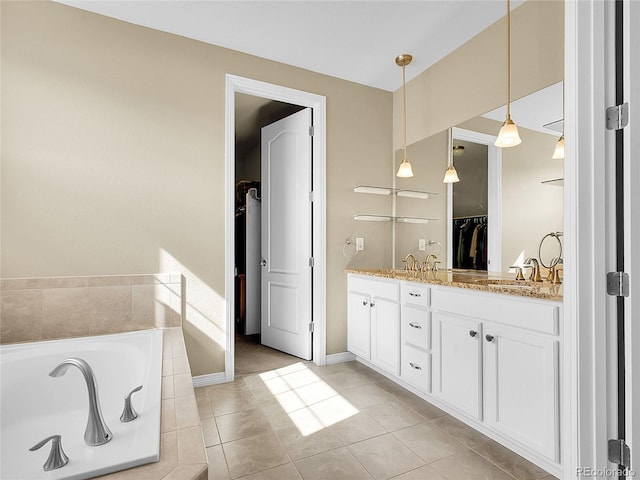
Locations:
388 218
396 191
558 182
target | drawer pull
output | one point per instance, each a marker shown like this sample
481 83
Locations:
415 325
413 294
472 333
489 338
415 366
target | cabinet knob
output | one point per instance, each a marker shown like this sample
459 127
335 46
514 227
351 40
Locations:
372 304
415 366
364 302
489 338
415 325
472 333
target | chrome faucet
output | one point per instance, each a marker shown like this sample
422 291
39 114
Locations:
97 432
533 264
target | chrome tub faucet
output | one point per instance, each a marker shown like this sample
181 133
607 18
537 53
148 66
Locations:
97 432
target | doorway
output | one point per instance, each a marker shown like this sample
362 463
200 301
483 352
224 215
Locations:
283 101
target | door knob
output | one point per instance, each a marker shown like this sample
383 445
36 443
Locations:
472 333
263 263
489 338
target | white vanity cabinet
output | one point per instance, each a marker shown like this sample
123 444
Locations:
415 335
373 326
496 360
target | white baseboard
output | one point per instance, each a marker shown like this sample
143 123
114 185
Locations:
210 379
340 358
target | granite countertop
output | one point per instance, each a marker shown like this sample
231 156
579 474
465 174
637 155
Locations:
474 280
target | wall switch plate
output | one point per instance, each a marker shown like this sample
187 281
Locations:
422 244
359 244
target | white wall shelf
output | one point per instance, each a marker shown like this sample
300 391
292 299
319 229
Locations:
395 191
558 182
388 218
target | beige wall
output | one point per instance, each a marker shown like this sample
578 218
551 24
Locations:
113 159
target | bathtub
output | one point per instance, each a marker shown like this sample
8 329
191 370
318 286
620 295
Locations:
34 405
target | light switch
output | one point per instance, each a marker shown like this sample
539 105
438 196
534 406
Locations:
359 244
422 244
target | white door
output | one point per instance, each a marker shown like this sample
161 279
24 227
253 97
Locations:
385 334
359 325
286 235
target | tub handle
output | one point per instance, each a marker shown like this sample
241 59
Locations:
129 413
57 457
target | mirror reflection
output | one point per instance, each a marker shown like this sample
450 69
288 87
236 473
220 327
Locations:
505 203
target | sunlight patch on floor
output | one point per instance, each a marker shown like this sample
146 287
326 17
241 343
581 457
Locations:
310 402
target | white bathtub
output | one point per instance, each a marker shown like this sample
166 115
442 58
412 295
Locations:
34 405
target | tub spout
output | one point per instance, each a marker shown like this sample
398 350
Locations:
97 432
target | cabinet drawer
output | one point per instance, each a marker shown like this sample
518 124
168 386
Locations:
415 294
416 367
416 326
375 288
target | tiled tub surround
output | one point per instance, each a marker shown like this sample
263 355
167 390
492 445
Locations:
35 309
47 308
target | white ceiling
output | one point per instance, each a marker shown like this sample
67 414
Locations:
352 40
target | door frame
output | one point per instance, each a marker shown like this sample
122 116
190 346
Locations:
236 84
494 198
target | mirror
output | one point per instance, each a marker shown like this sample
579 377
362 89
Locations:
521 205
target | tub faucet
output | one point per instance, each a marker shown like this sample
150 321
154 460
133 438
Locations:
97 432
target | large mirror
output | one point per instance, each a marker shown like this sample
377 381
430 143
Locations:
510 198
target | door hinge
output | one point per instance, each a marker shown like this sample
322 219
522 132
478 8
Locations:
312 196
311 262
619 453
311 131
618 284
618 117
311 327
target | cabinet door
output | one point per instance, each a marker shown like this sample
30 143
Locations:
521 379
359 325
457 362
385 334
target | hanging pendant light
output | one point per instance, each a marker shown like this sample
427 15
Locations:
508 136
451 176
558 153
405 169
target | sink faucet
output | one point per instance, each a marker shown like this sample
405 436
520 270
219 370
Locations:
430 262
97 432
533 264
408 267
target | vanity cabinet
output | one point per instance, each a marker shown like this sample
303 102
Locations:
373 331
503 375
491 360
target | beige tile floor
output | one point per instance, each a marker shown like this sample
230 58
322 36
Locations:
295 420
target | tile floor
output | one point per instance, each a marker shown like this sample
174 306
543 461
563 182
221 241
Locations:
300 421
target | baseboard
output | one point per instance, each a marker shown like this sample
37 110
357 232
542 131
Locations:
210 379
340 358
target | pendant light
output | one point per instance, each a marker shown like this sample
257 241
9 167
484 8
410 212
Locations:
405 169
558 153
508 136
450 176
